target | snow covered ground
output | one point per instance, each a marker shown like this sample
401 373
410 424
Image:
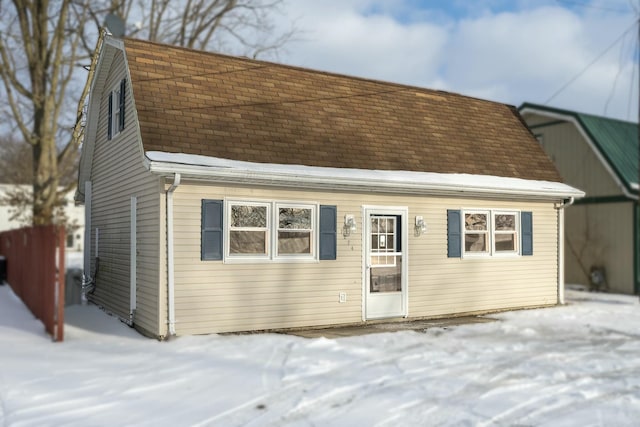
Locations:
577 365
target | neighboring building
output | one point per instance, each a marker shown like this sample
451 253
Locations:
600 156
228 194
75 214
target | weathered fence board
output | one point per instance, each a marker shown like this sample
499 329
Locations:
36 272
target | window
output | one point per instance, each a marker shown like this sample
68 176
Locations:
476 232
248 229
271 230
489 232
116 111
505 232
295 230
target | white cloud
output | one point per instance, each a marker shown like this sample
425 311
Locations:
345 38
504 51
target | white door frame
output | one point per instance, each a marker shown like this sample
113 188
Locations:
403 212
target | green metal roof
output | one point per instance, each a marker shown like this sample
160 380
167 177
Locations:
616 140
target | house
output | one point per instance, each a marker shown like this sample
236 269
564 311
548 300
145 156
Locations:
74 215
228 194
600 156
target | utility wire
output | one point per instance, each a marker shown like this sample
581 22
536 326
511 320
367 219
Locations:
636 51
577 76
621 59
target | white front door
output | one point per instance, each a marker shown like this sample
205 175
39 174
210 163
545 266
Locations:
385 278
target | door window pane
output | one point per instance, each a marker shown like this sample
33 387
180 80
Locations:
387 278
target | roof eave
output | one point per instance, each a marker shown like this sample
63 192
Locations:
628 189
298 180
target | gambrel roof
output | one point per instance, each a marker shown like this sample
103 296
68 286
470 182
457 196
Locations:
207 104
614 141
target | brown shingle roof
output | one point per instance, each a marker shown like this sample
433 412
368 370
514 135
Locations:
214 105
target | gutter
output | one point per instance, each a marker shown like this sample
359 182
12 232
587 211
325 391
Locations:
561 207
170 261
377 184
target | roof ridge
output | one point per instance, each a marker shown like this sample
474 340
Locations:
313 71
572 112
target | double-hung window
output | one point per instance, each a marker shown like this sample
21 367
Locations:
271 230
489 232
248 229
476 232
295 230
505 232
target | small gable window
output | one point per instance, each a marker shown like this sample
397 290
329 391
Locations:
116 113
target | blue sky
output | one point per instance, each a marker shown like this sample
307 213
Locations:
511 51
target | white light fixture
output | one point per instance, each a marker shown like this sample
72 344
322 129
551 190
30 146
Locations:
349 225
421 227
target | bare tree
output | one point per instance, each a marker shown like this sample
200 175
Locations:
38 54
15 161
244 27
44 43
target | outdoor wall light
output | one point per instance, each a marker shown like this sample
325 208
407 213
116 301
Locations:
349 225
421 227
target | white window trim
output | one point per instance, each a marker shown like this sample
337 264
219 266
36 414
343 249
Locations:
517 232
227 231
491 232
314 232
474 254
272 233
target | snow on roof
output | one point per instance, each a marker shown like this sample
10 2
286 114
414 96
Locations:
197 166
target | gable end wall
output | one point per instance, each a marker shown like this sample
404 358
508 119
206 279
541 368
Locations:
117 175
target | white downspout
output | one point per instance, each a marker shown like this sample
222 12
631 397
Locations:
170 263
560 209
133 259
87 280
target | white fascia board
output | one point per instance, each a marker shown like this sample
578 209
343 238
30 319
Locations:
590 142
334 179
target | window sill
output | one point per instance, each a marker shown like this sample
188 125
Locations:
271 261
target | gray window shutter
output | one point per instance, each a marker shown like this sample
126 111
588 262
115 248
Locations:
212 230
526 223
328 225
123 87
110 116
454 234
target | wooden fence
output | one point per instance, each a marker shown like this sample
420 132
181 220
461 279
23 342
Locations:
36 272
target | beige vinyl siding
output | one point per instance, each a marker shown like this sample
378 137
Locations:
576 161
595 236
214 296
117 175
